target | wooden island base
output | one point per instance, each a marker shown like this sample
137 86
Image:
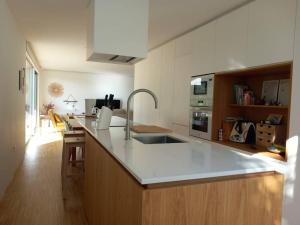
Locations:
113 197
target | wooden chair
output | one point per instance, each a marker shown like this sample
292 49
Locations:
56 120
71 143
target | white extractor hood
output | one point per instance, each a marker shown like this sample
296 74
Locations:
117 31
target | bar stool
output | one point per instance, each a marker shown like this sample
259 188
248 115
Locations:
71 143
73 133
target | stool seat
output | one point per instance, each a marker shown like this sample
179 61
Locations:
74 133
74 140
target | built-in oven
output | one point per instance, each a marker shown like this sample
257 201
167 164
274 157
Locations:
202 87
200 122
201 105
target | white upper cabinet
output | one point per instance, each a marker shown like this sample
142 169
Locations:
182 76
184 45
271 31
231 40
181 94
147 75
141 71
167 85
152 82
203 45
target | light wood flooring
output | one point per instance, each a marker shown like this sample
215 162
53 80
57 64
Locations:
34 197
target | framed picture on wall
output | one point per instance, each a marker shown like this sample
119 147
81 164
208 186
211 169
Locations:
270 91
21 79
284 92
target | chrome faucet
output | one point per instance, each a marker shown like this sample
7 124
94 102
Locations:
127 135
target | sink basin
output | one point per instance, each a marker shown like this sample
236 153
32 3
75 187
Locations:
158 139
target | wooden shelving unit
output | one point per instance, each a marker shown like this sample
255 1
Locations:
271 107
253 78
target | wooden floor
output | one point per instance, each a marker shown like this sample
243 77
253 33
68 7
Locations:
34 196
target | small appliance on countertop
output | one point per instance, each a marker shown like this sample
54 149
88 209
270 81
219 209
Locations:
104 116
201 105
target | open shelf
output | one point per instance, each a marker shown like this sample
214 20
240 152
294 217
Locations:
261 106
254 79
254 149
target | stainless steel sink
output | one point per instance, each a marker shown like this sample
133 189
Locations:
165 139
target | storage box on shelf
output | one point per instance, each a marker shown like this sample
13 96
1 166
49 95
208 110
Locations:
270 134
225 104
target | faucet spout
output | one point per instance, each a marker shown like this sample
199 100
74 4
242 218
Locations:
127 135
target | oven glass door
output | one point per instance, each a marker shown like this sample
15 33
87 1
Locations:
200 121
201 88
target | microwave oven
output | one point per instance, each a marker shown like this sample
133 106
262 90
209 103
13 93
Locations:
202 87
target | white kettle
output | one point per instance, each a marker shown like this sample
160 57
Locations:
103 118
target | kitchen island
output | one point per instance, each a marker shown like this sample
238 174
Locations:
191 183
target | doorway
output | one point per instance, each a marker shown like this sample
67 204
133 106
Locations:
31 112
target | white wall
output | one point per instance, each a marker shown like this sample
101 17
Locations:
12 101
291 214
82 86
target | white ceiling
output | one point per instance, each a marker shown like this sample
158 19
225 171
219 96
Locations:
56 29
171 18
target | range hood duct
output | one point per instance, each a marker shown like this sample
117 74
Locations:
117 31
122 59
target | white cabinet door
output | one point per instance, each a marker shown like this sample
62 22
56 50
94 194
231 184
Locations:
141 71
204 49
181 96
271 31
167 85
152 82
147 75
184 45
231 40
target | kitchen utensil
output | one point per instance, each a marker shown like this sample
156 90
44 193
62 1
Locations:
106 100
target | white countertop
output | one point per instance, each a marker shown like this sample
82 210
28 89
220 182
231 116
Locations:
158 163
117 122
